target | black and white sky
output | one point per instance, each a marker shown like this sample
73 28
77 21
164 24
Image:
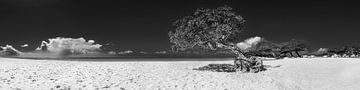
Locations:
143 25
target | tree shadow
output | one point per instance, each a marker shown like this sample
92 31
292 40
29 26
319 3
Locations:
269 66
227 68
217 68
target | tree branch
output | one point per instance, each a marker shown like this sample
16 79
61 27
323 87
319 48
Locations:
233 48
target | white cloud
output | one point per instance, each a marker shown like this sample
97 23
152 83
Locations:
143 52
25 45
161 52
246 44
112 52
125 52
71 45
322 50
9 50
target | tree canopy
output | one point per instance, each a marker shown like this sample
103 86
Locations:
206 28
294 45
266 46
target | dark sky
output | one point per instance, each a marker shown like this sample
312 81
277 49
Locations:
143 25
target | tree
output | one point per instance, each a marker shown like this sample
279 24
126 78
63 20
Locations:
211 29
349 50
332 51
294 46
266 46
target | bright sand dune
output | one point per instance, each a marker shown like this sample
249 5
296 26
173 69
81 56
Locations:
293 74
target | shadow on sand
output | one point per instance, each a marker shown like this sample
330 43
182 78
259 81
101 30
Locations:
217 68
226 67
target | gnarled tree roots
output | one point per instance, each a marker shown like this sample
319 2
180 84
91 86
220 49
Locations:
252 65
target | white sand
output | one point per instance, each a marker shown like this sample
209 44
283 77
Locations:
293 74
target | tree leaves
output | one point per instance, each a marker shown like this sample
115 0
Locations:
205 28
294 45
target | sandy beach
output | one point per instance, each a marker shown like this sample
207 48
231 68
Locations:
293 74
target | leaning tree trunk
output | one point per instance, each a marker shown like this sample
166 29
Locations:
248 64
291 54
297 53
251 64
243 63
274 55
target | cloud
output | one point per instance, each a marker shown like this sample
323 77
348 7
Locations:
143 52
126 52
25 45
8 50
91 41
248 43
112 52
322 50
70 46
161 52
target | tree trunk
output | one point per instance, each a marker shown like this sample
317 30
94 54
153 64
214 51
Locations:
243 63
248 64
273 54
291 54
252 65
297 54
